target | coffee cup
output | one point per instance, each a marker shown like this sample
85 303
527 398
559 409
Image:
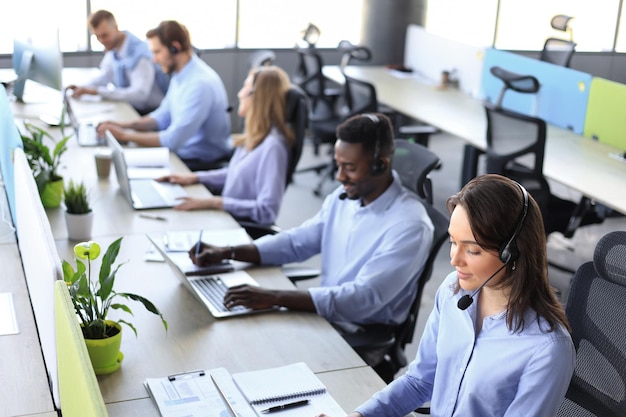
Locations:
103 162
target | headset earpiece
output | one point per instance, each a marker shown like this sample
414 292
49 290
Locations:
378 165
509 252
173 49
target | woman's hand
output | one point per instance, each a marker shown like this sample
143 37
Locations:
182 178
190 203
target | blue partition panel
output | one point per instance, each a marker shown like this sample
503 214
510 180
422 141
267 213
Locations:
561 100
9 140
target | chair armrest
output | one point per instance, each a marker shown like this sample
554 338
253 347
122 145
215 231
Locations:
256 230
298 273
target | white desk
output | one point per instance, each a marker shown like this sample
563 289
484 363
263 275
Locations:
570 159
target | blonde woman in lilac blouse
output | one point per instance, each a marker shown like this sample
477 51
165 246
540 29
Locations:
253 184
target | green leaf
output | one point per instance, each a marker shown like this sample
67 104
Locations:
129 325
109 258
124 307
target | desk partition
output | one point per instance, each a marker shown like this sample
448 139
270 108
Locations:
561 100
606 114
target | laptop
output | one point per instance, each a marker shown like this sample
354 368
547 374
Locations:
210 289
86 134
142 193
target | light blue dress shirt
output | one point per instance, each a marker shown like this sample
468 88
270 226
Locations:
494 373
192 119
253 184
371 256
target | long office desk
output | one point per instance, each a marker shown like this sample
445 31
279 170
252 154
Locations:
195 339
577 162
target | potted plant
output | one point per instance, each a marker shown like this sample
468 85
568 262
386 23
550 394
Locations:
94 298
78 213
45 163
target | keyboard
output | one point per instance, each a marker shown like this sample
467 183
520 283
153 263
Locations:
86 135
214 289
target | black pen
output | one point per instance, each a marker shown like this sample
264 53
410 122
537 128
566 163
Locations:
285 406
150 216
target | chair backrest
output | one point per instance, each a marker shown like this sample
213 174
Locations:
358 97
558 51
262 57
78 386
308 75
413 163
595 310
297 115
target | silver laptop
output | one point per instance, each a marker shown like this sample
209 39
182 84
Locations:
210 289
85 132
142 193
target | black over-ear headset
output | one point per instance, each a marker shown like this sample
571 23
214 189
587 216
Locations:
378 165
509 252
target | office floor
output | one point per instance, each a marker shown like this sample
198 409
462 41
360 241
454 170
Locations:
300 203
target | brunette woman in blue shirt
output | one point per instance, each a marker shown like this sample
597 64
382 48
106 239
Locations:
491 347
253 184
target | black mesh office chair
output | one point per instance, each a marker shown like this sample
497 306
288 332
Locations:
382 347
296 114
559 51
595 310
261 58
322 93
515 149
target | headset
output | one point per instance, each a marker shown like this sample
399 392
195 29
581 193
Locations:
378 165
509 252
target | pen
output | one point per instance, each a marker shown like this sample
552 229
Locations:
228 404
285 406
150 216
199 244
174 377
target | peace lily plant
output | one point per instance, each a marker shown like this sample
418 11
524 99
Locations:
92 298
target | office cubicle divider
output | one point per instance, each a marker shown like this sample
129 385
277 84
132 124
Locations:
9 140
606 117
561 100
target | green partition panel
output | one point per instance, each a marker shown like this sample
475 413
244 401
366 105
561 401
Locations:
606 113
80 392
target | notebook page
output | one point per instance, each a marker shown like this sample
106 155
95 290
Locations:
282 384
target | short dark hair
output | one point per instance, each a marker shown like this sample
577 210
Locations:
368 129
100 16
170 31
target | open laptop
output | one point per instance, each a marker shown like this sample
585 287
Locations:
210 289
86 134
142 193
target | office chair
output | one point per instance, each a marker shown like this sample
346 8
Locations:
261 58
382 347
516 147
308 76
559 51
296 115
595 310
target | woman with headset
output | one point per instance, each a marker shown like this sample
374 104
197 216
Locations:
497 341
253 184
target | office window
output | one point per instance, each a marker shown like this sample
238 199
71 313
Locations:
525 25
620 44
470 22
279 23
211 23
36 19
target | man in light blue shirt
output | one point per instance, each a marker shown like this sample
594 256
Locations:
373 234
127 72
193 119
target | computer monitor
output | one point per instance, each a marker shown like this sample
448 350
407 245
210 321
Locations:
40 61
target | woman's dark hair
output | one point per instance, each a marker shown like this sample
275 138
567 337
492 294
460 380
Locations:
494 204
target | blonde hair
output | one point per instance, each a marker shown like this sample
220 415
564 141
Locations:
267 107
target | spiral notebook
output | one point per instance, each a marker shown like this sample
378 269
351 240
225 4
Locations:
267 388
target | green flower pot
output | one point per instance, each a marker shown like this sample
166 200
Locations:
52 194
105 354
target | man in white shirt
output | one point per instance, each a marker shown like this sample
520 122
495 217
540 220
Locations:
127 72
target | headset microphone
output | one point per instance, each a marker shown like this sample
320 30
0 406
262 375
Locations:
343 196
468 299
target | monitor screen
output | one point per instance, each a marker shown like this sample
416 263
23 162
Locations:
40 61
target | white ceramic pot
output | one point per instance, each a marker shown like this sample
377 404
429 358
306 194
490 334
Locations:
79 225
